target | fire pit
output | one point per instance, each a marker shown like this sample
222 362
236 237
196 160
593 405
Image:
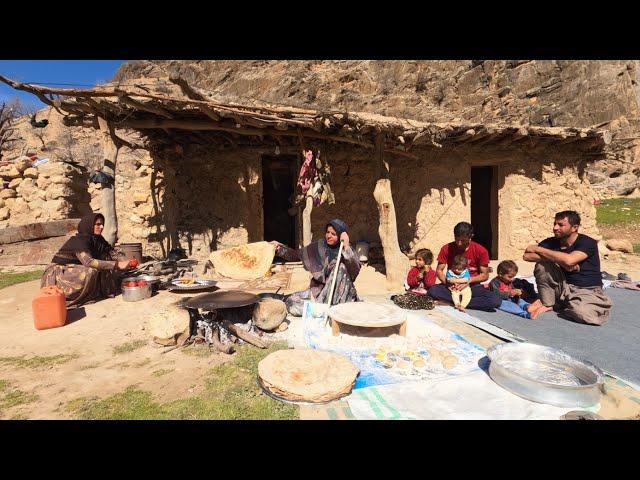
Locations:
213 318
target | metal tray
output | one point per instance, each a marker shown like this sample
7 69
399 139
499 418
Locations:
268 393
201 284
545 375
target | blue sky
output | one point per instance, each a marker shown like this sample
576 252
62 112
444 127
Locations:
80 73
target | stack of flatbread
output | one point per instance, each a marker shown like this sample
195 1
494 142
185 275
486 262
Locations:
245 262
306 375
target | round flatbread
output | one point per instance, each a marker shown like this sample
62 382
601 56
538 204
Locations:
365 314
307 375
245 262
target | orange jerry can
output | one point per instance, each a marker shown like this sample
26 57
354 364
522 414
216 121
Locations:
49 308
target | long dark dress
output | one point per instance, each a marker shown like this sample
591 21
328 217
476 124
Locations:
317 259
85 267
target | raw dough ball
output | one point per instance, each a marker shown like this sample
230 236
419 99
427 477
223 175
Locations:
450 362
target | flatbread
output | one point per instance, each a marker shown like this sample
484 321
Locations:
245 262
307 375
366 314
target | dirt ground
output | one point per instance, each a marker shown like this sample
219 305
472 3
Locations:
625 231
93 336
109 349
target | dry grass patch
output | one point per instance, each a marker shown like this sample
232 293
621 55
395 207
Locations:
230 392
37 361
129 346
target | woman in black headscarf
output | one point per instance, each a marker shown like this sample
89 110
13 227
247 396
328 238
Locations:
319 258
85 267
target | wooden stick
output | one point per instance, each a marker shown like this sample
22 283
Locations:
143 106
217 343
335 273
240 333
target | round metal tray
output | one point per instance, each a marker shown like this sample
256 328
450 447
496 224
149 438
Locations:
201 284
293 402
545 375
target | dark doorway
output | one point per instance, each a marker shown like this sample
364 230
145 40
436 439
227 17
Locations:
278 181
484 208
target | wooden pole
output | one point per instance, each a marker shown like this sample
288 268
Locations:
108 207
396 263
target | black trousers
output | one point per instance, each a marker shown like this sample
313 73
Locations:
481 298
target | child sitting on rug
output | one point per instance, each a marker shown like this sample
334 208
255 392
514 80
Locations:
512 301
422 276
459 273
419 279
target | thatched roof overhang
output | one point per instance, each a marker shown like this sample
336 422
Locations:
158 107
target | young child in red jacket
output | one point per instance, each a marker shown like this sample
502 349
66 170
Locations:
422 276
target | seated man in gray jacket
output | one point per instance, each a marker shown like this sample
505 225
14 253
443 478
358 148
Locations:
568 272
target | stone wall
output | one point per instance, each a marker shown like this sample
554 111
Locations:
205 200
196 201
532 192
51 191
199 198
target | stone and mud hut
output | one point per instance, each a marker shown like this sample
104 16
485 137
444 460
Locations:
204 174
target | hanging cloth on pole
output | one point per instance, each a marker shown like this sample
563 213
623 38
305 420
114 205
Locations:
314 180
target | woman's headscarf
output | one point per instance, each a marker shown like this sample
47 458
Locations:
84 241
319 254
340 227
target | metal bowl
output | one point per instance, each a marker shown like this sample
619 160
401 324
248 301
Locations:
135 294
545 375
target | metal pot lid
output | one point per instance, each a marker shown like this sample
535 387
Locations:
222 299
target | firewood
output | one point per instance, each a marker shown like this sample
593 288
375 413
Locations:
218 345
246 336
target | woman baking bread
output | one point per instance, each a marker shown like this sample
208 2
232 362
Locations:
319 259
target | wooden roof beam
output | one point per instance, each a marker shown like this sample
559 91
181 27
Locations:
143 106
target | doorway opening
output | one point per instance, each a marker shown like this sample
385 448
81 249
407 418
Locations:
484 207
278 187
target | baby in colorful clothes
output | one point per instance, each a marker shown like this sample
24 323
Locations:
459 273
511 297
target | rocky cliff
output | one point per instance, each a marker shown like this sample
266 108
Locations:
551 92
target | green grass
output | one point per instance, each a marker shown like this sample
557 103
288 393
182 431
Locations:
9 278
10 397
129 346
636 248
230 392
198 351
610 212
37 361
17 397
162 371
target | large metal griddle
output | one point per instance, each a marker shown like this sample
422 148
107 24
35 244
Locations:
221 300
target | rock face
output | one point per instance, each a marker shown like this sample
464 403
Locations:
619 245
535 92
